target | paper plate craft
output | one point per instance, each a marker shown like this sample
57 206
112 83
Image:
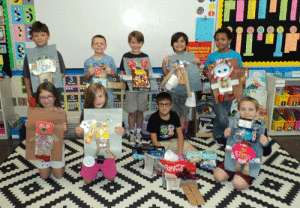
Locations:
139 74
44 134
99 135
226 84
44 66
243 151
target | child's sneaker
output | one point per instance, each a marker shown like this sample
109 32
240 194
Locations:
138 138
132 139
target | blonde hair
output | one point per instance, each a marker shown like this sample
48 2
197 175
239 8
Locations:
90 95
250 99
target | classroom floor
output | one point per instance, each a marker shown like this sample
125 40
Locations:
291 144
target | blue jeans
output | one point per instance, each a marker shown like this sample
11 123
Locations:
221 120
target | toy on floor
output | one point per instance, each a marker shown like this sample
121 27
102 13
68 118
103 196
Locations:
206 159
139 150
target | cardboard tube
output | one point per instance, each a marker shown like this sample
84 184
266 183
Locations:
187 84
167 77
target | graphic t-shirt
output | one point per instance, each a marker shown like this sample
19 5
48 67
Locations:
164 129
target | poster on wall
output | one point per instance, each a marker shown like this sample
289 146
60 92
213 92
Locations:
265 32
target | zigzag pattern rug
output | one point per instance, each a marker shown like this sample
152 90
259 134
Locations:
278 184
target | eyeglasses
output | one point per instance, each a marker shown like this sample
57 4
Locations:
164 104
46 98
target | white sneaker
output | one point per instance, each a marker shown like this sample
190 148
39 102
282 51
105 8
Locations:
132 139
138 138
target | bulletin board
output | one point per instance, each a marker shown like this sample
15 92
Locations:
265 32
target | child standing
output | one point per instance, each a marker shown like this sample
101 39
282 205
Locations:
100 59
47 97
96 97
247 109
135 102
40 35
179 42
223 38
164 127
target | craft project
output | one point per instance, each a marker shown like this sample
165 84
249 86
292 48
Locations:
99 135
192 193
100 73
139 74
226 84
44 66
243 151
44 134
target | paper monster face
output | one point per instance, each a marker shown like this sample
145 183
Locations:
222 70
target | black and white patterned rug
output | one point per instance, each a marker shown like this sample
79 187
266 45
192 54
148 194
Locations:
278 184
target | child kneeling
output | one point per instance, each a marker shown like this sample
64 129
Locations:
165 129
247 109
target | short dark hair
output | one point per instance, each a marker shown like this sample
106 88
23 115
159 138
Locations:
37 26
47 86
178 35
224 30
163 96
250 99
98 36
137 35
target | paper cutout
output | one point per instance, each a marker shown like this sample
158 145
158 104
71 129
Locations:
238 46
260 32
229 5
40 144
20 51
251 9
44 127
283 10
2 34
17 15
279 38
43 65
104 135
249 42
291 41
273 6
29 14
262 9
200 10
204 29
234 84
294 10
240 6
270 35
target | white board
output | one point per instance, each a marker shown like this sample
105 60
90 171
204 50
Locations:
72 25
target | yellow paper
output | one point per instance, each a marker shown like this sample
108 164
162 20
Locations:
251 9
270 38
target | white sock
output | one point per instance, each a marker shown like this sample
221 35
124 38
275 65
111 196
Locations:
138 130
131 131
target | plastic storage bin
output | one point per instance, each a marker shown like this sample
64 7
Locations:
278 121
15 133
281 100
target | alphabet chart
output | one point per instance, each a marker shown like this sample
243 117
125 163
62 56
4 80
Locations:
265 32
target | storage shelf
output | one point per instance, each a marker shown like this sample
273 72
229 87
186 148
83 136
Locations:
272 83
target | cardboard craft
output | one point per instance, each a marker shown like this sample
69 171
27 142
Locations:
192 193
44 66
237 89
144 62
58 118
113 145
191 69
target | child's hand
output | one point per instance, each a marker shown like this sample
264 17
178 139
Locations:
196 61
65 127
120 130
26 123
227 132
79 131
166 60
263 140
108 70
91 71
207 73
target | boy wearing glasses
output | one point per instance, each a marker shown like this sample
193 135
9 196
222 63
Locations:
164 127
